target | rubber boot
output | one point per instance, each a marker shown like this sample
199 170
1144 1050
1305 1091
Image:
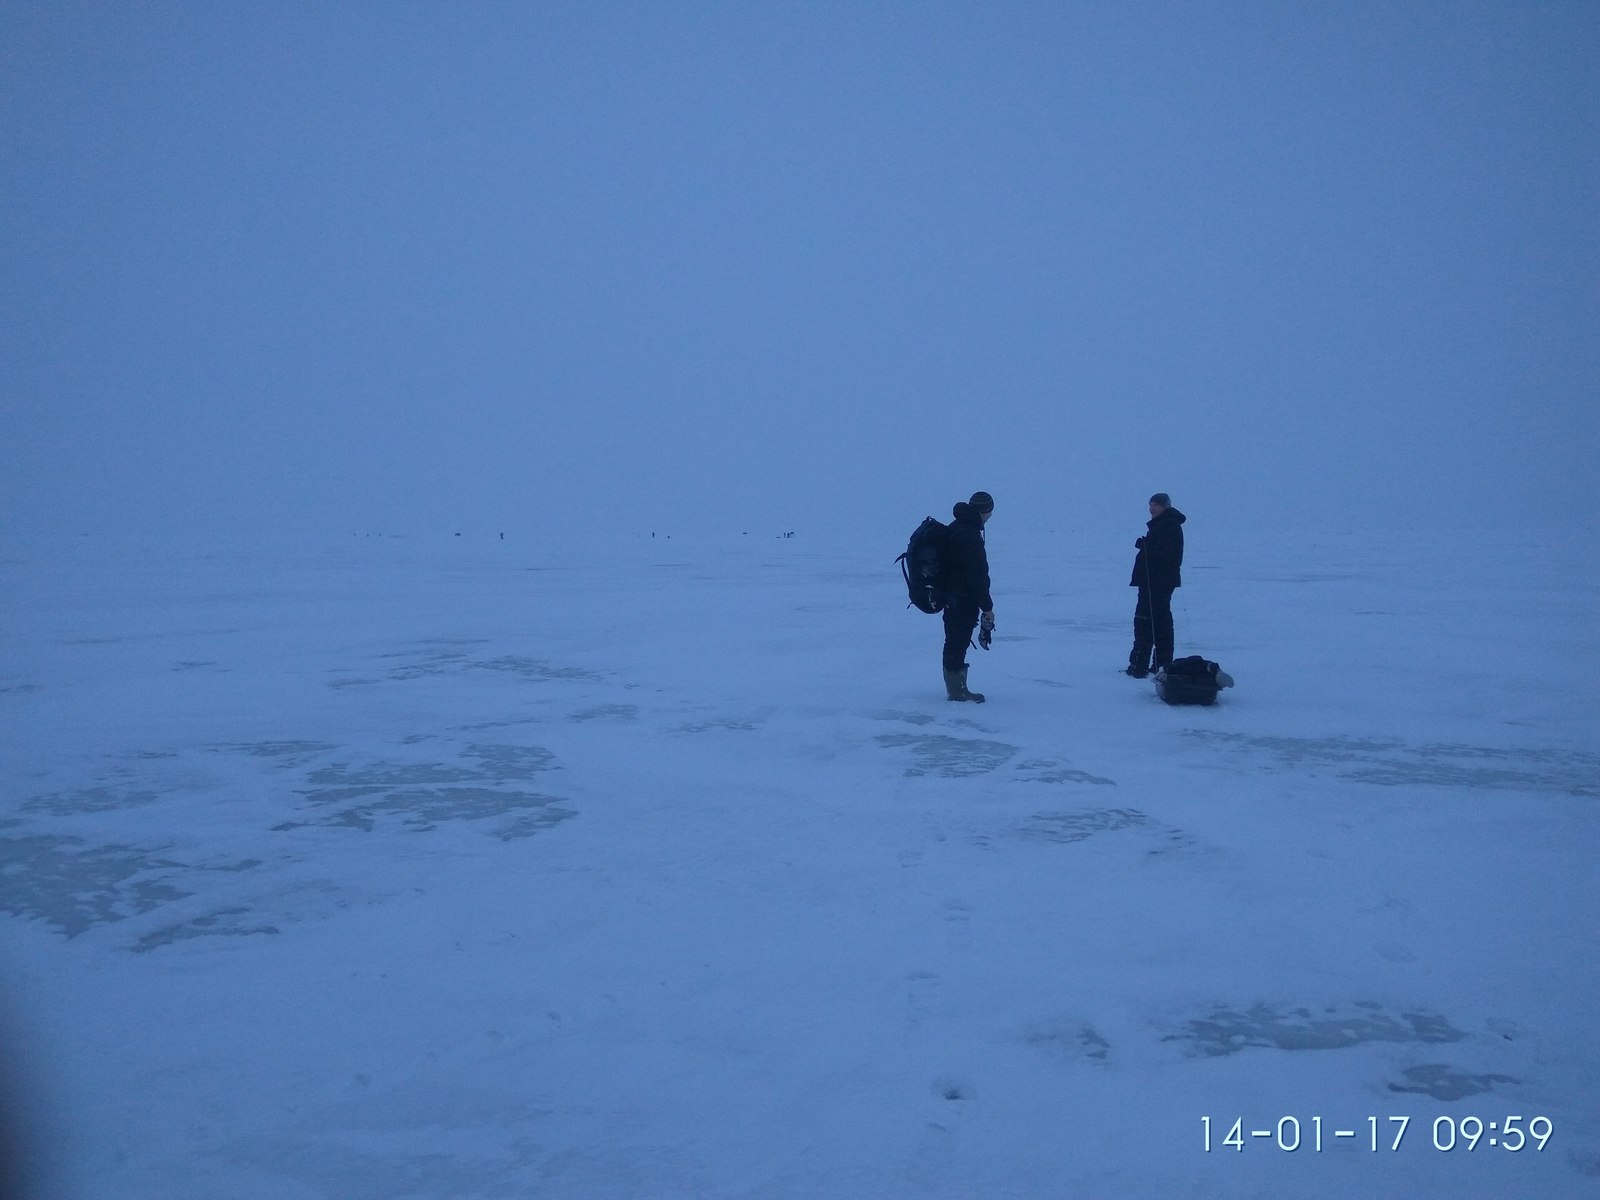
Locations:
955 685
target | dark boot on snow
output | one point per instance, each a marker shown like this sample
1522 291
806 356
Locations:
955 685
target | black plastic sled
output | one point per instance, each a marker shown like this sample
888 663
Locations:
1192 680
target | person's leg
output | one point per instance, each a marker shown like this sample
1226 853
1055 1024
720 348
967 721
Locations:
1143 638
960 619
1161 620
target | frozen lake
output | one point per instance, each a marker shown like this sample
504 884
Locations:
392 869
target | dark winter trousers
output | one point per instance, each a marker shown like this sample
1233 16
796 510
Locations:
1152 627
960 619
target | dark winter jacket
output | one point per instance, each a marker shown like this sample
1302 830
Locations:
1160 552
967 576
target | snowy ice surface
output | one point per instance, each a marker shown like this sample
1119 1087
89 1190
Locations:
387 869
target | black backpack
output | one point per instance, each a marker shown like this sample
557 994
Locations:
923 565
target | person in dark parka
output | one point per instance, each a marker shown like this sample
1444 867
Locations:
1156 573
966 591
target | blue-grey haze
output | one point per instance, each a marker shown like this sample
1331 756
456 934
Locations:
423 267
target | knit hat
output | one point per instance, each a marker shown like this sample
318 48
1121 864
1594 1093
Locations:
982 501
1162 499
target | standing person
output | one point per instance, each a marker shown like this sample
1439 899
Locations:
966 589
1156 575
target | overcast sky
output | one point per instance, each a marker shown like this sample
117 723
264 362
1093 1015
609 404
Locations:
416 267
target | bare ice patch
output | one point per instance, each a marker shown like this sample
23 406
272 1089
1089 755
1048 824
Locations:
74 887
89 800
1334 1027
1154 839
951 757
909 718
421 796
1079 826
456 657
1444 1082
421 810
284 753
1048 770
230 922
1389 762
606 712
1068 1038
730 723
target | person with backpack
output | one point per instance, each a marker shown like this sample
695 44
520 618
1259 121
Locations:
1156 575
965 585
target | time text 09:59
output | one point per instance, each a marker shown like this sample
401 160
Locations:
1513 1133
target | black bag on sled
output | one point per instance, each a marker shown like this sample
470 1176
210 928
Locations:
1192 680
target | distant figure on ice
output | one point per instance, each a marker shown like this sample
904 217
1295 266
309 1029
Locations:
966 589
1155 574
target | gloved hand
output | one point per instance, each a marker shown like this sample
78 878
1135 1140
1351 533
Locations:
986 629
